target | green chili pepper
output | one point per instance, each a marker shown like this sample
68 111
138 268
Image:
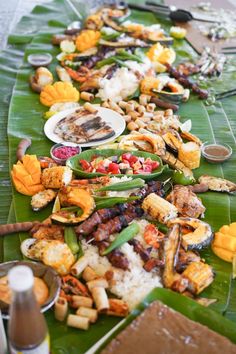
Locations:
124 236
124 186
163 228
109 37
127 56
180 178
71 239
108 202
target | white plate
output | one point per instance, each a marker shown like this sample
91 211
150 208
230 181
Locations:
112 118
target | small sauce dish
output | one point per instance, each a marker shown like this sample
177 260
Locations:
61 152
37 60
216 153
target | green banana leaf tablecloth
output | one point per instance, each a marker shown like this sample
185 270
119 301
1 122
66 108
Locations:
21 115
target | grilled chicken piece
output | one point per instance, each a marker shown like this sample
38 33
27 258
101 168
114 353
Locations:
47 232
41 199
218 184
187 203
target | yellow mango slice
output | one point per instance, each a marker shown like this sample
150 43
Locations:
224 229
223 253
227 242
232 229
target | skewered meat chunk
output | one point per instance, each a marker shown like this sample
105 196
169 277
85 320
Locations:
138 248
187 203
185 258
99 217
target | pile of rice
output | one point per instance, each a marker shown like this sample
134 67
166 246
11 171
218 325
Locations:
131 285
114 180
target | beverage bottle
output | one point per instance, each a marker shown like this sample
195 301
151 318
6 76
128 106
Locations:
27 329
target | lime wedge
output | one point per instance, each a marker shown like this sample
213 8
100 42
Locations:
56 205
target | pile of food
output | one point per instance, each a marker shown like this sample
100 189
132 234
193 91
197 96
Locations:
126 217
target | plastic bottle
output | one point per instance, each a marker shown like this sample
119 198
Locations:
27 329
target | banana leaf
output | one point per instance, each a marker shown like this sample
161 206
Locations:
212 123
87 155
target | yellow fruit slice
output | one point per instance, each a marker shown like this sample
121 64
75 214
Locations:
223 254
227 242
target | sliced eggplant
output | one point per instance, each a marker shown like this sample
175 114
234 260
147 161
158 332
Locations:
124 44
171 250
164 41
42 199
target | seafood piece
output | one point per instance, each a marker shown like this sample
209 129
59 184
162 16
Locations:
47 232
199 276
187 203
41 199
56 177
155 141
159 208
190 137
63 74
173 162
190 154
200 237
114 25
32 248
171 249
83 126
71 286
41 78
218 184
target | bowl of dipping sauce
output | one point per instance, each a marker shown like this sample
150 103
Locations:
37 60
216 153
61 152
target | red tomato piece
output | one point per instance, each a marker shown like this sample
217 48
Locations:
101 169
147 168
151 235
114 168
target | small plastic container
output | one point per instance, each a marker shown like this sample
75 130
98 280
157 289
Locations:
62 152
37 60
216 153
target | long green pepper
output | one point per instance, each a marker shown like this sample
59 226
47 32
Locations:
124 236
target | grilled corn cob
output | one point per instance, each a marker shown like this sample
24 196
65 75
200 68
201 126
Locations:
158 208
190 154
56 177
199 275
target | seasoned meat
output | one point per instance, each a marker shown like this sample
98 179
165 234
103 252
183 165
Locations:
138 248
47 232
118 260
185 258
187 202
160 329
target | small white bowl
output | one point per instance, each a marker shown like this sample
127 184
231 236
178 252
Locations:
40 59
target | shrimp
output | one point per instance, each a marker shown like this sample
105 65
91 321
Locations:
153 236
200 237
71 286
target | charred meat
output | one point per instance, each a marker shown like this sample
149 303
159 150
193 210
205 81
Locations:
218 184
187 203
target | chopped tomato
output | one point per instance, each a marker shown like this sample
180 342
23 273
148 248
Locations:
147 168
101 169
136 166
151 235
114 168
129 157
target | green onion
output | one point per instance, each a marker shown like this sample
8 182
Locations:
124 236
124 186
71 239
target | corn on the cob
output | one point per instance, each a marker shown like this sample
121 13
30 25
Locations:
199 275
158 208
190 154
56 177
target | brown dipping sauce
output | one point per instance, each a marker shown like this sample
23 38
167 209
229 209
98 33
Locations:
216 153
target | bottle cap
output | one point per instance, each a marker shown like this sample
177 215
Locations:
20 278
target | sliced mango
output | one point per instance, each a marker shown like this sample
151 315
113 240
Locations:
223 253
26 175
224 244
227 242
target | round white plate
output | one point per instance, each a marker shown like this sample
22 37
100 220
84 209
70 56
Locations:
112 118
